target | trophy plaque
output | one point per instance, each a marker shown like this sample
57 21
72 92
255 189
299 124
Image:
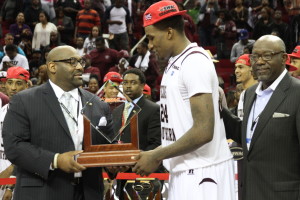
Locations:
114 153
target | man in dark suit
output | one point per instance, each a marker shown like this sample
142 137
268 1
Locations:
271 126
42 133
148 118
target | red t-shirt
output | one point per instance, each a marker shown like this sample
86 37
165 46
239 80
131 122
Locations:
104 60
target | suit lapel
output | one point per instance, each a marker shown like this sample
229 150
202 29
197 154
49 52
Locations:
249 99
277 97
140 103
53 104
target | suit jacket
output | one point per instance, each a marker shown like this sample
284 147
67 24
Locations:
272 163
148 124
149 131
35 130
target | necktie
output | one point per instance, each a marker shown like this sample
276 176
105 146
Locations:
126 111
69 106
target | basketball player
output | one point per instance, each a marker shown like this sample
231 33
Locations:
194 147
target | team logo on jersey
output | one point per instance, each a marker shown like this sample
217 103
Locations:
148 16
163 91
172 73
175 67
191 172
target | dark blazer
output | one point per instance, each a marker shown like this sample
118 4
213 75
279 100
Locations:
148 124
34 130
149 130
272 164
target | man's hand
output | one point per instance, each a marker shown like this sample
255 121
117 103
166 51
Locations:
147 163
7 172
67 163
7 195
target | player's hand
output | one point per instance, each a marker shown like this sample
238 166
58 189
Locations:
7 195
67 163
147 163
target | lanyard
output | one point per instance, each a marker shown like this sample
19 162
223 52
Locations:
69 113
254 121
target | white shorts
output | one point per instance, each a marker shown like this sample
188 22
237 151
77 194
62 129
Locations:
214 182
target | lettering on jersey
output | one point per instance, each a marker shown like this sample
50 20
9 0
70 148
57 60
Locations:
172 73
168 134
163 92
191 172
175 67
164 113
2 156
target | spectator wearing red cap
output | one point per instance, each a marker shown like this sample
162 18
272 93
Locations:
295 61
194 148
147 92
244 76
17 80
243 71
109 89
3 97
3 81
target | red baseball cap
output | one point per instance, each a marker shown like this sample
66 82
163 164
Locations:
147 90
296 52
159 11
113 76
243 59
288 62
17 73
3 76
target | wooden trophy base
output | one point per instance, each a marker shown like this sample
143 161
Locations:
107 158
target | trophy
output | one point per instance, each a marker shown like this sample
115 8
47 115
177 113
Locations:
115 152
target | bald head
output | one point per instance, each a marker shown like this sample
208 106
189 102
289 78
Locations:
272 40
61 52
268 59
61 70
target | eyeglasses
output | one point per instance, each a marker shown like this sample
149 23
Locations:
265 56
72 61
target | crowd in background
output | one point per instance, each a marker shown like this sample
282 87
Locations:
105 31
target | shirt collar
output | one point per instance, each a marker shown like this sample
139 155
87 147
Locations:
59 92
273 86
136 100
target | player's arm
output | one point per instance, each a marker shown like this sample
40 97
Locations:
199 134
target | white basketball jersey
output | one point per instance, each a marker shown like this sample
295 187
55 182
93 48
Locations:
4 163
187 74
